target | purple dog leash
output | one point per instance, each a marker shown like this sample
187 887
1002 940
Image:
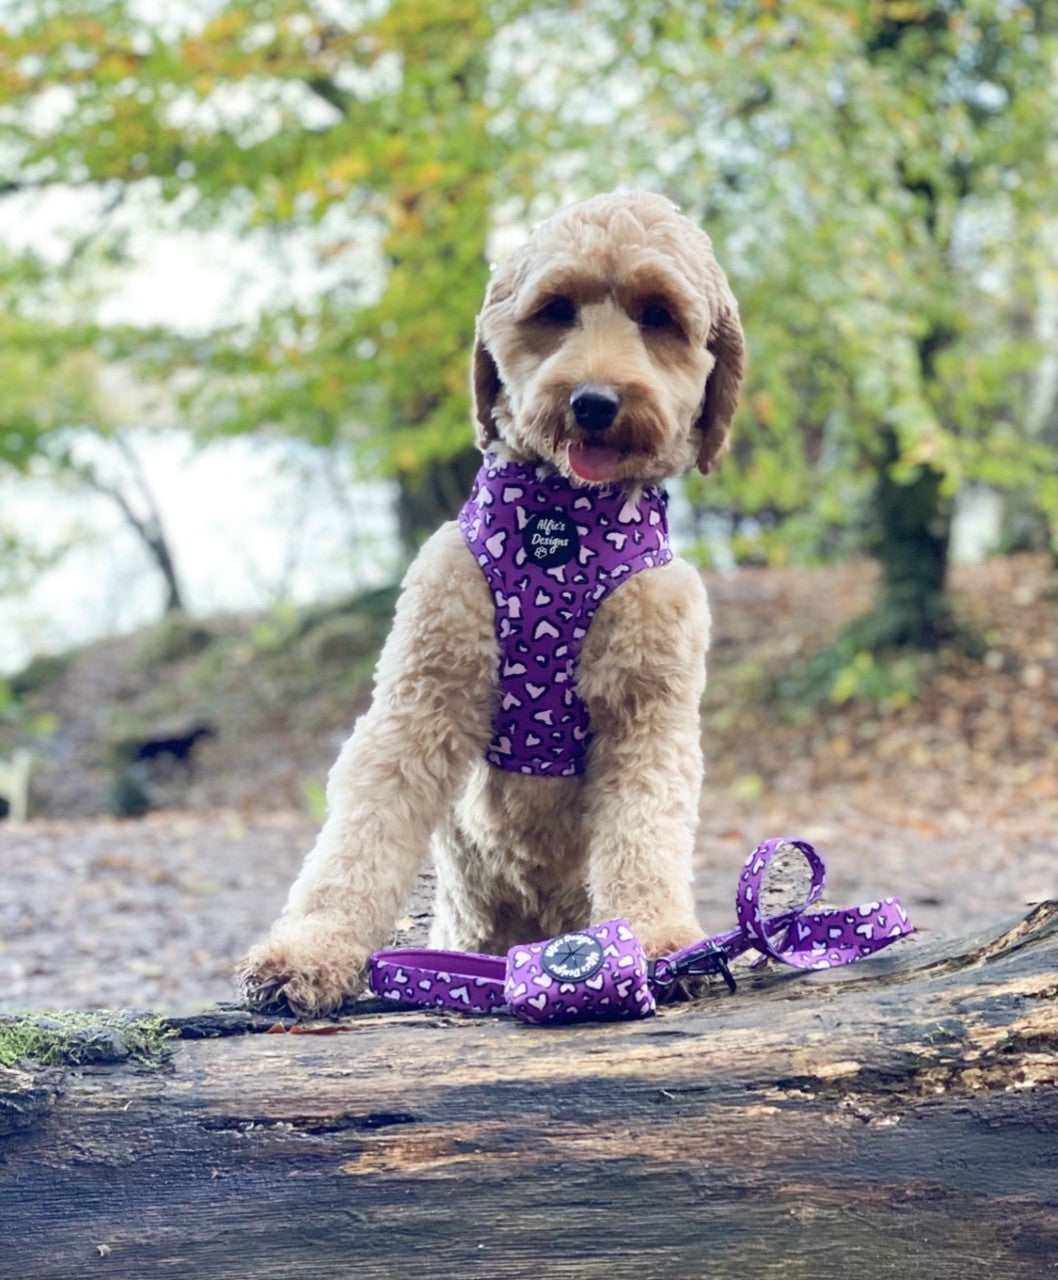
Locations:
601 972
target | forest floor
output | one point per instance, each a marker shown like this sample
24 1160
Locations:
936 781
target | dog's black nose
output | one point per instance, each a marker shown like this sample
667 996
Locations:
594 407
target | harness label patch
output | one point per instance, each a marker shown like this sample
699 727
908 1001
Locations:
572 957
551 539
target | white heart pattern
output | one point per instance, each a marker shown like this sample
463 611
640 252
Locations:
541 629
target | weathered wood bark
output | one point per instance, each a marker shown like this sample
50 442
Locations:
893 1119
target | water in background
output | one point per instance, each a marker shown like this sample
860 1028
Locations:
251 522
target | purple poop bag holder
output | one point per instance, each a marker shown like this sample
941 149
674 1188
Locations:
601 972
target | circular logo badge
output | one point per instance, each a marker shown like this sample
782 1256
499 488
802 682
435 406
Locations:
551 539
572 957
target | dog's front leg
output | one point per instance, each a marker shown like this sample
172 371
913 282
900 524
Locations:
407 757
643 674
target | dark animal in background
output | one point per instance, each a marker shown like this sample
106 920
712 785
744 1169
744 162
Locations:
177 746
139 765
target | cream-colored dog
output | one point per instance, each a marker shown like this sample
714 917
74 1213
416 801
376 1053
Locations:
609 353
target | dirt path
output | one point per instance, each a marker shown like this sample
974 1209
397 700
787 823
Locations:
152 913
949 800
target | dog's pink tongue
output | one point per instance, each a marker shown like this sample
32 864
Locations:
595 462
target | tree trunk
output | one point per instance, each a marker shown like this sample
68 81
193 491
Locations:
433 495
892 1119
913 522
913 519
149 527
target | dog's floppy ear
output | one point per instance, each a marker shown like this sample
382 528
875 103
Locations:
728 345
486 386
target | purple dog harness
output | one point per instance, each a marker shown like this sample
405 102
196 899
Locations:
602 973
551 553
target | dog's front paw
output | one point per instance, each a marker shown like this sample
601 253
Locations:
661 938
305 970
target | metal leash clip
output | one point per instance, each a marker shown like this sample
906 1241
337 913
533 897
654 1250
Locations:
666 972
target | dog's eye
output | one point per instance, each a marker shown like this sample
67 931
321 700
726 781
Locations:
655 316
558 311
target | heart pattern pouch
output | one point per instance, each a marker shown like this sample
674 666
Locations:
597 972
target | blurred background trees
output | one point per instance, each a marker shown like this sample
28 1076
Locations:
877 175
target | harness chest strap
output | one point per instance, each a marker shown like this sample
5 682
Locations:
470 982
551 553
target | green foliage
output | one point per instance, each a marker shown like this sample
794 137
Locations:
890 685
40 672
849 671
128 793
16 723
315 794
887 216
874 174
368 138
174 638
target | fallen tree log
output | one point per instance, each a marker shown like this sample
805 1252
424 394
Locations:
896 1118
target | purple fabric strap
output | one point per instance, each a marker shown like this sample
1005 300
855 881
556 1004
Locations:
551 552
827 939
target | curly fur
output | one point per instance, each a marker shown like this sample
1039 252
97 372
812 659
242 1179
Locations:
620 292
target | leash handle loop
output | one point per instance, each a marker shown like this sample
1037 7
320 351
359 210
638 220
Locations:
812 940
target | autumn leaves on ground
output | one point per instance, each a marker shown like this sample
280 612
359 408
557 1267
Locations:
936 781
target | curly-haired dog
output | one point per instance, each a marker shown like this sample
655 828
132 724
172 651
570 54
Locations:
536 705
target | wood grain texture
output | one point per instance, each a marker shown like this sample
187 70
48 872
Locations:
892 1119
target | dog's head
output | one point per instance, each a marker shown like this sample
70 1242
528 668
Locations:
609 345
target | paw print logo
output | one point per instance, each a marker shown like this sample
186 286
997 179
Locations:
572 957
551 539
